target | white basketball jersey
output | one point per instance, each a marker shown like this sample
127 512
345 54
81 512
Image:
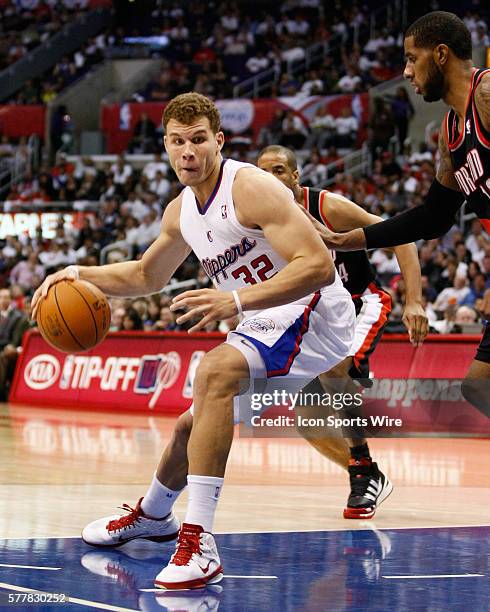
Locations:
232 255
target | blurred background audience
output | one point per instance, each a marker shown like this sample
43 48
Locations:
98 211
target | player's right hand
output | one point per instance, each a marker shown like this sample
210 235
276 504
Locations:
68 273
416 322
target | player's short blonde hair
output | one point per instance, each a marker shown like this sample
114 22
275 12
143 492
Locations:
189 107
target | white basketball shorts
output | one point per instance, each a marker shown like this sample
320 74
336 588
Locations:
288 346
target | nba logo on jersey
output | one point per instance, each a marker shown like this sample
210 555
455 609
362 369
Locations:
224 213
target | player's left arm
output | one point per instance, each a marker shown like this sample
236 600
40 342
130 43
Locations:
262 202
344 215
482 101
310 264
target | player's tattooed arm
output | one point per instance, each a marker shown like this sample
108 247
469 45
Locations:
445 172
482 101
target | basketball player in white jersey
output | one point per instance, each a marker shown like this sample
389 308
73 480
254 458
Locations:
269 266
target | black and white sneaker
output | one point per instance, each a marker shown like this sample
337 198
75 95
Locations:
369 487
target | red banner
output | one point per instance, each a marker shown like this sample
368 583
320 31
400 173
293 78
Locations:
414 390
22 120
134 371
439 357
144 371
417 387
118 121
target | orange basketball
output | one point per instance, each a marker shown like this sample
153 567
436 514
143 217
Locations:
74 317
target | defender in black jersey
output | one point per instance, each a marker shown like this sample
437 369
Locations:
439 66
468 142
373 306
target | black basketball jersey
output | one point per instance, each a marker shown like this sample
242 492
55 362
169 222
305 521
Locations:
353 267
470 154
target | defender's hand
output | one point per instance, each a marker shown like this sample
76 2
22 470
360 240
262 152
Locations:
69 273
416 322
355 240
207 304
349 241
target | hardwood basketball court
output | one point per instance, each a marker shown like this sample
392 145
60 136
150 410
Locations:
61 469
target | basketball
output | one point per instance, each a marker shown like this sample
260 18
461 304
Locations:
74 317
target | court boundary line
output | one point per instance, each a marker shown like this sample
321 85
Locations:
34 567
432 576
366 528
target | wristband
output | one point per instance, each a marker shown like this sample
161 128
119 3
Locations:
74 270
234 293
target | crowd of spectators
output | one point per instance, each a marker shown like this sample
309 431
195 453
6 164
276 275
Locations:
211 52
69 69
213 47
114 209
210 48
127 205
455 268
124 215
124 218
24 24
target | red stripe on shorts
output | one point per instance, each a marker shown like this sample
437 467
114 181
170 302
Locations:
385 300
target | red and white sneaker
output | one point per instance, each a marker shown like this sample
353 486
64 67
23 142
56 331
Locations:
117 530
194 564
369 487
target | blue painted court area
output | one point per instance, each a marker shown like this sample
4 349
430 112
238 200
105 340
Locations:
404 569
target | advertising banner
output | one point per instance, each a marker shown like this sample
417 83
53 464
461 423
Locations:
22 120
133 371
150 372
20 224
118 121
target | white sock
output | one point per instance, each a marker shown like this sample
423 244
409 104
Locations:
203 498
159 499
